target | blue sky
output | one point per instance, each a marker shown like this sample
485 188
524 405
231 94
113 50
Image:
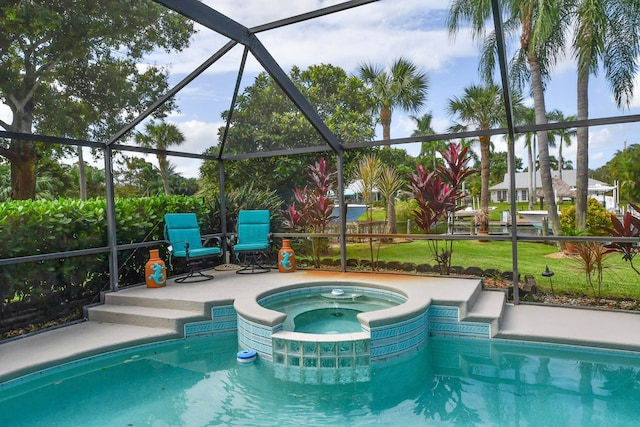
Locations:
376 33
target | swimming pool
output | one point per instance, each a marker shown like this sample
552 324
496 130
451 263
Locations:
197 382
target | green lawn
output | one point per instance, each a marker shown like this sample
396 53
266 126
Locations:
620 281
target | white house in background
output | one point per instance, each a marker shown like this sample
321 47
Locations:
500 192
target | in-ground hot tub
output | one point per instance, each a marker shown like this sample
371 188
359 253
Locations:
330 332
324 310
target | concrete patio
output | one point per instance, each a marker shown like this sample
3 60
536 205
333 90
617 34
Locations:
139 315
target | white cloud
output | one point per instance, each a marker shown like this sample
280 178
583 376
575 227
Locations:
198 137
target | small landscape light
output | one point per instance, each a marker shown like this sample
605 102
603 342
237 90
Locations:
548 273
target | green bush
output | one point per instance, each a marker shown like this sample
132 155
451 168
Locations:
597 219
49 226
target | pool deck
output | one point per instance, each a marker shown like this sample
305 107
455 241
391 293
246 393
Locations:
128 319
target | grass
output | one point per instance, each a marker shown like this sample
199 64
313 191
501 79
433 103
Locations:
620 281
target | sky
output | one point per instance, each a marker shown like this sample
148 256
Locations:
377 33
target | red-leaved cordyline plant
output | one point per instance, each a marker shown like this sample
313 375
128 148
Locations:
315 208
437 195
628 227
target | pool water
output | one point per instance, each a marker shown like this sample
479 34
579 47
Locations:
327 321
321 312
197 382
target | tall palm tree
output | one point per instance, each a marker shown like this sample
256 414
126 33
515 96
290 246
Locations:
529 118
424 128
606 30
403 86
481 107
564 135
540 27
161 136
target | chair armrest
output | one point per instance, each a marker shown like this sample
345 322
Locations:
216 238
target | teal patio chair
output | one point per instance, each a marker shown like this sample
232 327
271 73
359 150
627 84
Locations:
182 232
253 239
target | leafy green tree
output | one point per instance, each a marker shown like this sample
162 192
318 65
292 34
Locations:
499 166
136 178
161 136
266 120
60 58
625 168
607 32
540 27
403 86
481 108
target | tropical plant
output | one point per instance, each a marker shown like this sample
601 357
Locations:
314 209
403 86
540 27
161 136
592 259
606 30
437 194
628 227
481 107
389 184
369 171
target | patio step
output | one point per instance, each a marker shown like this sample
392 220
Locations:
488 308
151 317
122 298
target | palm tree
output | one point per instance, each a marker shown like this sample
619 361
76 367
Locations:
161 136
403 86
564 135
423 128
606 30
541 25
529 118
481 107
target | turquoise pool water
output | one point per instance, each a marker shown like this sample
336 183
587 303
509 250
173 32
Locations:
197 382
327 321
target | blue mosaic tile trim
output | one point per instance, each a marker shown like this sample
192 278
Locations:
462 329
443 321
255 336
392 341
347 288
224 320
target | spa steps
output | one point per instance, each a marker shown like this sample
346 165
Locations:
488 307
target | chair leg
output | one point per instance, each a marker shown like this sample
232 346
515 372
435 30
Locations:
194 276
253 266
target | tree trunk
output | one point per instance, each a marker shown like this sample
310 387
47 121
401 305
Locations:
164 173
485 146
385 120
532 174
582 155
82 177
391 214
543 145
22 155
560 160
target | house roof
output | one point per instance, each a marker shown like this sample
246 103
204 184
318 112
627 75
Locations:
561 188
522 180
